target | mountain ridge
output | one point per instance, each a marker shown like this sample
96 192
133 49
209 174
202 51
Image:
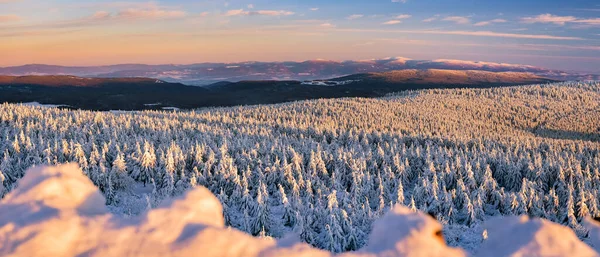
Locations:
208 73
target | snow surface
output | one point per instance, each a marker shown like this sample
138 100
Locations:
57 211
594 233
524 236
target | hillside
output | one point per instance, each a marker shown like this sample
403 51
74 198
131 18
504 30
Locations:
328 169
102 93
72 81
208 73
457 77
151 94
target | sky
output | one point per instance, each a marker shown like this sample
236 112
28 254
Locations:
559 34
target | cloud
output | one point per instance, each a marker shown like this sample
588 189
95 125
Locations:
592 22
397 20
242 12
485 23
154 13
561 20
133 11
434 18
457 19
314 9
549 18
576 47
355 16
144 12
327 25
8 1
506 35
250 6
392 22
399 1
467 33
9 18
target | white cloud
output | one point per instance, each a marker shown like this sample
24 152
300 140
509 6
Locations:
457 19
327 25
355 16
392 22
549 18
250 6
485 23
314 9
9 18
399 1
242 12
433 18
403 16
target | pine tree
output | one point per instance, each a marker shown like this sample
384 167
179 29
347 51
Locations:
262 222
289 214
3 189
119 170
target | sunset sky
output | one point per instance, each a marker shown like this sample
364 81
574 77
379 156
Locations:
549 33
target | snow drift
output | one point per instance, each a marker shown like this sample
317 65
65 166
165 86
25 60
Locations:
57 211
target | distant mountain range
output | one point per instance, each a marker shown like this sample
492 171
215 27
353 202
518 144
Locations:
209 73
145 93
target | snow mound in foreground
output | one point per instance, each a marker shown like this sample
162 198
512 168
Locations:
57 211
524 236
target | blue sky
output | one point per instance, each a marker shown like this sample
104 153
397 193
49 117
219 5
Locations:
553 34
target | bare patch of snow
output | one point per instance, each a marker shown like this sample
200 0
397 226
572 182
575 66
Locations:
328 83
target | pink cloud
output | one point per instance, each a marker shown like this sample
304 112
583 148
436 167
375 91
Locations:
152 13
549 18
466 33
242 12
593 22
392 22
9 18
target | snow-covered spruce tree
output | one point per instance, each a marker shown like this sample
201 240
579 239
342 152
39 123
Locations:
529 150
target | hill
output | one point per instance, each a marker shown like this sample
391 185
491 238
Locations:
208 73
146 93
453 77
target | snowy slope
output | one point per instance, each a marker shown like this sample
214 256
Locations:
56 211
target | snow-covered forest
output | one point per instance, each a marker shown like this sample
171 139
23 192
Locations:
326 169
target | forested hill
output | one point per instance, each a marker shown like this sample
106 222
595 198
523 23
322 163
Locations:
145 93
327 169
